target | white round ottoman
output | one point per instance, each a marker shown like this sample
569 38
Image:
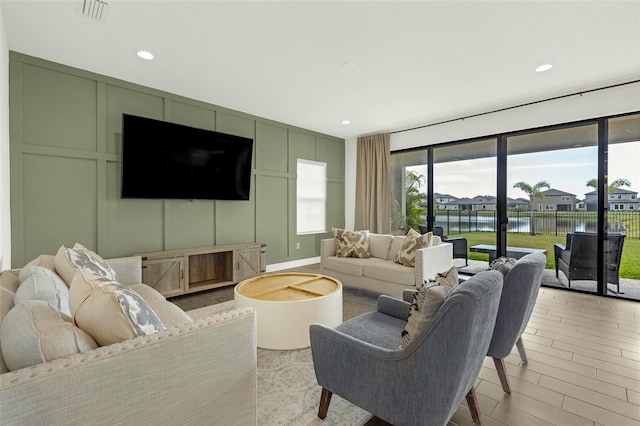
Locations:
286 304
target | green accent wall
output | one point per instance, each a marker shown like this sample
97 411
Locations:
65 126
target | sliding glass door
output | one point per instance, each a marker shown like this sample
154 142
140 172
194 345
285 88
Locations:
409 188
552 201
464 193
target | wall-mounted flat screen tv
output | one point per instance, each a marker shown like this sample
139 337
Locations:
171 161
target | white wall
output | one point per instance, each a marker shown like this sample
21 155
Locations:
5 211
606 102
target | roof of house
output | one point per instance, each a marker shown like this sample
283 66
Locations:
555 192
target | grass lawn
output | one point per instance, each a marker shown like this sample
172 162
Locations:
629 266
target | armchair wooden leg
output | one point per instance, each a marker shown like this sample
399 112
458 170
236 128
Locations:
325 399
472 402
502 374
521 351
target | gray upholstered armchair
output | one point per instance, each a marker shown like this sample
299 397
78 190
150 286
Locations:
519 293
577 259
420 384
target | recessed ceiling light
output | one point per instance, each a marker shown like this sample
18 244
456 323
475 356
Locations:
349 64
145 55
346 122
545 67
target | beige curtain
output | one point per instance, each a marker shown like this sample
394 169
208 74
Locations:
373 188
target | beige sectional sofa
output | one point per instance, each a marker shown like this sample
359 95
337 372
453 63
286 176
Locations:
202 371
380 273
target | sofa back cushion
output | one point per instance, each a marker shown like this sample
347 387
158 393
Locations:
396 246
379 245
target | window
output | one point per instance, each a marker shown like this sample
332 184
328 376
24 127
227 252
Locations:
564 198
311 197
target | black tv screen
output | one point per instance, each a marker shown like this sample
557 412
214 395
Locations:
167 160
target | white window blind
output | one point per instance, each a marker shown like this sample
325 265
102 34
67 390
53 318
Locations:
311 190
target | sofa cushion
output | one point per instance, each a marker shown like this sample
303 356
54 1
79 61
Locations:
412 242
426 302
351 244
109 312
350 265
379 245
43 261
34 332
392 272
396 246
44 284
170 314
69 260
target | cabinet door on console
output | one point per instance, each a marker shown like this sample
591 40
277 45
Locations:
249 263
164 275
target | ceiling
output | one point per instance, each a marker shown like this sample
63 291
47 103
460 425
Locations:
383 65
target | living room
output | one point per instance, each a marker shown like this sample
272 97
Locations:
48 92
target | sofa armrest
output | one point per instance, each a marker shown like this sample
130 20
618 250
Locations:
188 374
433 260
327 248
129 269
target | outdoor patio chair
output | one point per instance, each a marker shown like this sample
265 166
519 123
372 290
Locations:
577 259
364 361
460 245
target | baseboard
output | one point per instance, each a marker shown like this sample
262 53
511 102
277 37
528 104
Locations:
293 264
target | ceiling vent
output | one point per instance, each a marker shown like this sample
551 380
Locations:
95 9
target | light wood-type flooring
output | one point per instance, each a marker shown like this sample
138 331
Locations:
583 369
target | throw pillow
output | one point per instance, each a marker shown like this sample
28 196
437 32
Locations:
502 264
351 244
426 302
34 332
109 312
69 260
44 261
44 284
412 242
169 313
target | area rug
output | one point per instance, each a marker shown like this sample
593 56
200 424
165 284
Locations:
288 393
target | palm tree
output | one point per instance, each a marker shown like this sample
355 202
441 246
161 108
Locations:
593 183
415 200
534 192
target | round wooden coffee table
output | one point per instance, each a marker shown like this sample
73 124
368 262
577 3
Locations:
286 304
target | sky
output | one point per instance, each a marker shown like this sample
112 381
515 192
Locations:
566 170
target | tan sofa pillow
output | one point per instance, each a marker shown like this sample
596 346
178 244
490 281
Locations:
170 314
351 244
412 242
34 332
109 312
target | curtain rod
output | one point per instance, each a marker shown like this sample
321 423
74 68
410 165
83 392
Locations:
516 106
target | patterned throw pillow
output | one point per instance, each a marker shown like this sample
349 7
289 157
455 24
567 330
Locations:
412 242
502 264
109 312
426 302
69 260
351 244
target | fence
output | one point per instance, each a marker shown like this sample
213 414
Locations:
549 223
